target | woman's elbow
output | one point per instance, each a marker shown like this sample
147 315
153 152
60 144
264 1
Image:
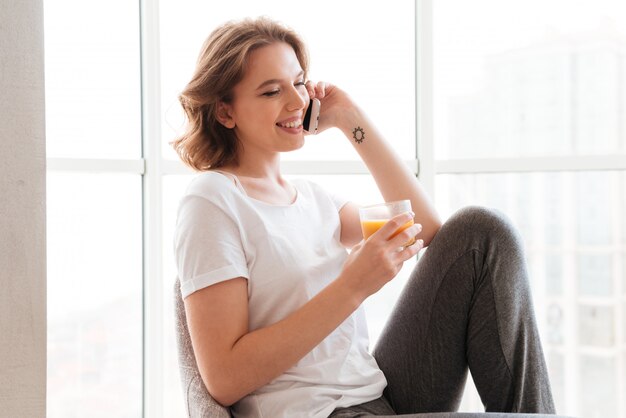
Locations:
223 389
225 399
429 233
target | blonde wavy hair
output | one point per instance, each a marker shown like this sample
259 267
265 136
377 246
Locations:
221 64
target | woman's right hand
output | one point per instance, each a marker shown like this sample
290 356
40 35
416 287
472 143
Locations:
338 110
377 260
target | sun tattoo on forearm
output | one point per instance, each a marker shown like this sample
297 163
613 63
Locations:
358 134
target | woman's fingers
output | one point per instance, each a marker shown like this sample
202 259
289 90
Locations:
399 236
411 250
389 229
405 237
320 89
316 90
310 88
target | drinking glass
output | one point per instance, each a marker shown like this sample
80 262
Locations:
375 216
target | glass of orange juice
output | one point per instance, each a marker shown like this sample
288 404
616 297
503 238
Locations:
375 216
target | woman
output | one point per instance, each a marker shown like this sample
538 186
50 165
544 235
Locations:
272 298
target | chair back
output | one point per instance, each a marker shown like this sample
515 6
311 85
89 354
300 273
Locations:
199 403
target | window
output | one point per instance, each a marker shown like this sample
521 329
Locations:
94 209
528 118
94 294
93 107
520 108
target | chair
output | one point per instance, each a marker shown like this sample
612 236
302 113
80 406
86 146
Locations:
200 404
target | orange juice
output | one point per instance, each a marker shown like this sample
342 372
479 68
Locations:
372 225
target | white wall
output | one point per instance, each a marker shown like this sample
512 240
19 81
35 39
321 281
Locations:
22 211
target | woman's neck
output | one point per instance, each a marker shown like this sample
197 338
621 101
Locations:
257 166
264 182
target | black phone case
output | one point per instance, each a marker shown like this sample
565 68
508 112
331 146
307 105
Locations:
307 116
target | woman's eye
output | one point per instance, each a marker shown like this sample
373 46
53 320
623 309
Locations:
300 83
271 93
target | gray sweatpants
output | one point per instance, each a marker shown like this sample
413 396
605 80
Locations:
466 305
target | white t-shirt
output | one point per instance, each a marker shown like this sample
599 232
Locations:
287 254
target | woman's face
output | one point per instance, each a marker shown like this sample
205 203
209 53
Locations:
269 102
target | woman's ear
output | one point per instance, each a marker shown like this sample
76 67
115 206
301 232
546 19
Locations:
224 115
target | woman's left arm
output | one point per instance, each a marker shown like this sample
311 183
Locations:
393 177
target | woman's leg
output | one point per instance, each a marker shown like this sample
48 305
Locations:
467 303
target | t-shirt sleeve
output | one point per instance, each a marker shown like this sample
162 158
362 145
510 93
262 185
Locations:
207 245
338 200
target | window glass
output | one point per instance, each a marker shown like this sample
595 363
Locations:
527 79
93 87
94 295
597 393
554 274
556 368
596 325
367 50
555 326
624 282
594 195
622 193
624 375
595 274
624 328
554 208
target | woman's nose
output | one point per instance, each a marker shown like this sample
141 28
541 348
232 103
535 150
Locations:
298 99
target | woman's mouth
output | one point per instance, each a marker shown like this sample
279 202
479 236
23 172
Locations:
290 124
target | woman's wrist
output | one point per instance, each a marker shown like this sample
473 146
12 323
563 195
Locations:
352 123
353 293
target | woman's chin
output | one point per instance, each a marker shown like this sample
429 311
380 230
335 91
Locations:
294 145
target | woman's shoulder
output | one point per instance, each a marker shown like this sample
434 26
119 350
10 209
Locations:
212 186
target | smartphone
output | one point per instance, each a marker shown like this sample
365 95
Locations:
312 117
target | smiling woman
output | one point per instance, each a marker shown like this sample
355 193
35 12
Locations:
271 299
343 52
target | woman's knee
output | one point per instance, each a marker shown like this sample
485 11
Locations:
482 222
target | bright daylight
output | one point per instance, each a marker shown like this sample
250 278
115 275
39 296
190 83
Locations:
178 243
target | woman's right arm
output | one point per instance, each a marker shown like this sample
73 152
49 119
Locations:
234 361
